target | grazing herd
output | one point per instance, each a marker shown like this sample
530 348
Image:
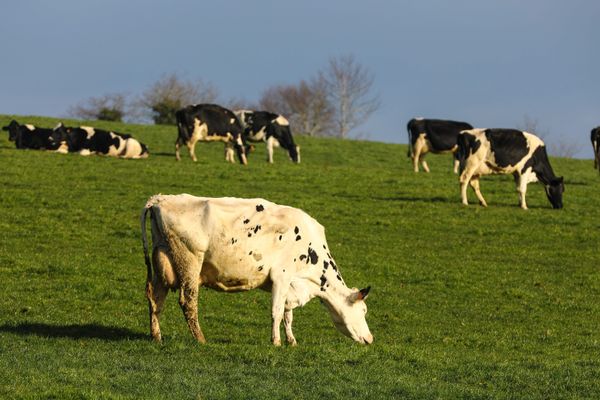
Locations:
480 152
231 244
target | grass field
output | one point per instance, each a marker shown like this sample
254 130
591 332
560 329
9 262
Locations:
466 302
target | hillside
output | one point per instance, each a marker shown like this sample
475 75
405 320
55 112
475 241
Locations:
466 302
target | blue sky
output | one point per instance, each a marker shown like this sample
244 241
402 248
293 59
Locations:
490 63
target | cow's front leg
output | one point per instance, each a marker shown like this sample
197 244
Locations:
281 284
288 318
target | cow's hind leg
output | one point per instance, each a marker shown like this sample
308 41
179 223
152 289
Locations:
188 300
156 292
475 185
157 289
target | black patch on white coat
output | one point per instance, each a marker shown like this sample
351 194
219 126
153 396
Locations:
298 238
314 258
508 145
260 208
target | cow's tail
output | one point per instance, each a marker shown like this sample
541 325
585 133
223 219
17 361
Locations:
409 151
147 208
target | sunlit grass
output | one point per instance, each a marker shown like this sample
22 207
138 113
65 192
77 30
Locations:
466 302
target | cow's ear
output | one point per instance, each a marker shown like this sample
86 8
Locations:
363 293
360 294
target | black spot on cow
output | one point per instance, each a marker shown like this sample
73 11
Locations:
333 265
249 234
302 257
246 221
250 253
508 145
296 230
280 236
298 238
257 228
324 247
314 258
260 267
339 277
323 281
325 265
259 208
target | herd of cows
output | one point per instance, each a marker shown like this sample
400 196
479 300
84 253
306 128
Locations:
198 122
233 244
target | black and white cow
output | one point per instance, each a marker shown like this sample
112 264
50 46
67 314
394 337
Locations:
595 136
435 136
207 123
506 151
28 136
274 129
86 140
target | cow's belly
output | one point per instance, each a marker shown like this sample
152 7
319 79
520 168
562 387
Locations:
235 276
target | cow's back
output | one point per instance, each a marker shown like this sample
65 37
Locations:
240 240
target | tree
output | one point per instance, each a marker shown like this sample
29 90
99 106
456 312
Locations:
110 107
348 86
560 148
169 94
306 105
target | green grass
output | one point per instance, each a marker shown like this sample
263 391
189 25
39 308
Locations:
466 302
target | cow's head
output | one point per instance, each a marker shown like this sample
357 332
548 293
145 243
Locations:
13 130
349 316
554 191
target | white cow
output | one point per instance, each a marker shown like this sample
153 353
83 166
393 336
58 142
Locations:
230 245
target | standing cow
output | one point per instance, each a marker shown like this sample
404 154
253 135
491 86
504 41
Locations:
233 245
506 151
28 136
433 135
208 123
596 144
274 129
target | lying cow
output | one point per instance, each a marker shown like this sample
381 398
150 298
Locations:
232 245
596 144
506 151
274 129
433 135
86 140
28 136
208 123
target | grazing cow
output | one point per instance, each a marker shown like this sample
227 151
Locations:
207 123
274 129
596 144
31 137
87 140
233 245
506 151
435 136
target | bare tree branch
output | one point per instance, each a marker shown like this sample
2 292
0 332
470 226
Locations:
348 85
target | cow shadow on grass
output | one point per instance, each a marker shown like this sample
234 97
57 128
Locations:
85 331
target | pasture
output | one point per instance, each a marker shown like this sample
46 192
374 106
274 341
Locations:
466 302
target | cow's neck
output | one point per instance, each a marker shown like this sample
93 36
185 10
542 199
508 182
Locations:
542 168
